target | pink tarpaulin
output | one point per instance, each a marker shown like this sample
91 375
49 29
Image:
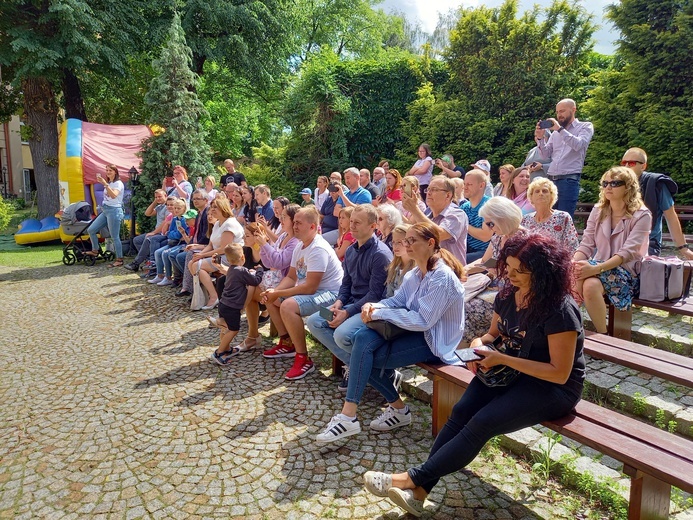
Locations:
111 144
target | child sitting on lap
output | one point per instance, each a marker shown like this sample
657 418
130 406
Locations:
233 300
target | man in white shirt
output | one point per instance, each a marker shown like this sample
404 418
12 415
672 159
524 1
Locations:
313 281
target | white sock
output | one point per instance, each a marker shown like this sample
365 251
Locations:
402 411
346 417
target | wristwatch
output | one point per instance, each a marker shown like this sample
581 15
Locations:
560 129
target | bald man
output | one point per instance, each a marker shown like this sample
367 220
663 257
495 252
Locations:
566 148
657 191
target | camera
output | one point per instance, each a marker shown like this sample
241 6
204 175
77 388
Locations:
545 124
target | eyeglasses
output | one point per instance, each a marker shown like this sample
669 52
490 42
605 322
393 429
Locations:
490 224
427 190
410 240
613 184
630 164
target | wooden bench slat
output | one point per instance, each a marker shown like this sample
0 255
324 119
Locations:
645 351
674 370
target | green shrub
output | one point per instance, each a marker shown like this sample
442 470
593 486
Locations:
6 210
279 184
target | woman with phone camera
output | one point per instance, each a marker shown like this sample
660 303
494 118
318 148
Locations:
111 215
615 240
534 312
429 306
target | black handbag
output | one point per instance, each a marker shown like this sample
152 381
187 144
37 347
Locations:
501 375
387 330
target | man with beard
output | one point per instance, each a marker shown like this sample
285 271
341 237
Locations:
566 148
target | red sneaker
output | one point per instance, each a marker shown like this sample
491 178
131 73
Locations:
303 366
281 350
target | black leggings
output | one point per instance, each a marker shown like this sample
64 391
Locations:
481 414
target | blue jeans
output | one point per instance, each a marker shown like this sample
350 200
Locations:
110 217
373 360
169 256
163 265
481 414
474 255
568 190
339 341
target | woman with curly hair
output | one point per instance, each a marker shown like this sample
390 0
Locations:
615 240
534 312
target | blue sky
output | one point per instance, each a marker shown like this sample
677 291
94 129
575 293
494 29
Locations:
426 12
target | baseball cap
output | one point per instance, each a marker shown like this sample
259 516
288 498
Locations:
306 191
191 213
482 164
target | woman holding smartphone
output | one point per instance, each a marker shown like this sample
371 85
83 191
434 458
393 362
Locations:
111 215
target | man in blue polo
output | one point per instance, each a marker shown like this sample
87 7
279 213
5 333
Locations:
478 235
566 148
365 271
354 196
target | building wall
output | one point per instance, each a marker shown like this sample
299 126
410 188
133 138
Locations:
16 157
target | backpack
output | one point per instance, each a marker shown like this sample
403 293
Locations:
663 278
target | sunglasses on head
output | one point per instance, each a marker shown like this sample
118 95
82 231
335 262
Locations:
613 184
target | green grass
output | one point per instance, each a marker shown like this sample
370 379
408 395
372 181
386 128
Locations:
35 256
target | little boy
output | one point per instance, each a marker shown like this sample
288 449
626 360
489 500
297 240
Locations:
232 300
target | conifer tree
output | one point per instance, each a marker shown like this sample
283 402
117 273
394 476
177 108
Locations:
177 110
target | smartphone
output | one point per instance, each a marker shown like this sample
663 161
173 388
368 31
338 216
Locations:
467 354
179 225
326 313
475 269
169 182
491 262
407 189
545 123
333 188
216 259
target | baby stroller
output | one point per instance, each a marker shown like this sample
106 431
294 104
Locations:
74 222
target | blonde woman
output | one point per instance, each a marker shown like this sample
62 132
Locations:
543 194
615 240
401 263
226 231
501 189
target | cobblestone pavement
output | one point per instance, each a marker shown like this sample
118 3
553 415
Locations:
111 409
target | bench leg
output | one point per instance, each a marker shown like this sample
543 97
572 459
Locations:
620 323
336 366
445 396
649 497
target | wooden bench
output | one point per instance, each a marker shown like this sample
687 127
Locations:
653 459
667 365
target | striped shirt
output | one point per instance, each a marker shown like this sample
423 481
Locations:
477 221
433 304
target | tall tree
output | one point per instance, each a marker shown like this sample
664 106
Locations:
176 108
646 98
43 48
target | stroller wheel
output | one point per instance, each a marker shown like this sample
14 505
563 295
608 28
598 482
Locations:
69 258
109 255
89 260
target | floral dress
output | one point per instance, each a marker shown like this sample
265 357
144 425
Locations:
559 225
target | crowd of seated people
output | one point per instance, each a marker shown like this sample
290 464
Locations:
408 268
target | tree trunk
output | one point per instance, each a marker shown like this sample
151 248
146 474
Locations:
41 112
74 102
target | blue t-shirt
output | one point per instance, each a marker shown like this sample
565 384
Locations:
360 196
474 244
173 233
664 202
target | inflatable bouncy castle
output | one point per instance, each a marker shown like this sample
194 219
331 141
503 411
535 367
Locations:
84 150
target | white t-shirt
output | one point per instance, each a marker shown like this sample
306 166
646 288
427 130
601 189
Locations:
117 202
318 257
230 224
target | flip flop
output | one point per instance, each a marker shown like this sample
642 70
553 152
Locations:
117 263
92 253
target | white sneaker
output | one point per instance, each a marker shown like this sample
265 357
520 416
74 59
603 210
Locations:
404 498
338 428
156 279
390 419
166 281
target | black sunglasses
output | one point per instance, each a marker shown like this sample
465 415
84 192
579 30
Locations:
613 184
